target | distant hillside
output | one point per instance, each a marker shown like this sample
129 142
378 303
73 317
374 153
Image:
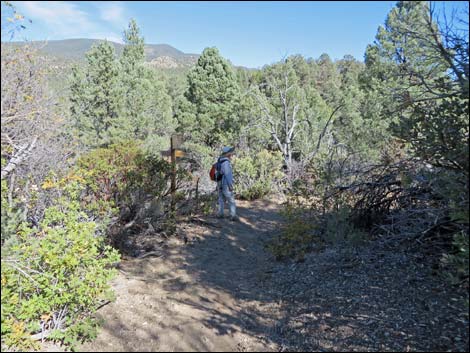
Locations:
158 55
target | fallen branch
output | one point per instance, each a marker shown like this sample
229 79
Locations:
361 316
42 335
151 253
199 220
103 304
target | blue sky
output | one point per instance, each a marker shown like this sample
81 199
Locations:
248 33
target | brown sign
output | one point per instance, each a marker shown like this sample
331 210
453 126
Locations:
167 153
179 153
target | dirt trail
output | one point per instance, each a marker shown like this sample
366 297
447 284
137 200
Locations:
223 292
207 295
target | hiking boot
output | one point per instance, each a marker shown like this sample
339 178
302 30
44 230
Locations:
234 218
220 216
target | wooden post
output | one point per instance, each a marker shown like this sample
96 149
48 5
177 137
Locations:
197 195
175 143
173 177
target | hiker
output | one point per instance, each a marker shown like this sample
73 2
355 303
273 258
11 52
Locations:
225 184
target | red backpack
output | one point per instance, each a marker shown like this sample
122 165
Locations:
215 173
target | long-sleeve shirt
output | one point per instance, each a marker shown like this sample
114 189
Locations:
227 176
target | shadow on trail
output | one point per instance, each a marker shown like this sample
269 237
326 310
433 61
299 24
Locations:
231 262
208 295
222 291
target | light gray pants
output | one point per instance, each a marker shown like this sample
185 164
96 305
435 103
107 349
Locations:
226 195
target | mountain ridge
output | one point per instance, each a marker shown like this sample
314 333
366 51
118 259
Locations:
76 48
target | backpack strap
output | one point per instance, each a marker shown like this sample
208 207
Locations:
219 163
219 166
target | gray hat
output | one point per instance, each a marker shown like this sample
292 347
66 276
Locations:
226 150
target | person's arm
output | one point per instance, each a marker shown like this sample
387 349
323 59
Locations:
227 171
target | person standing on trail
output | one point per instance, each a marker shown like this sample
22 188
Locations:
225 184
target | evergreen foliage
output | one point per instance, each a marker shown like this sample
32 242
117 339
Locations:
96 104
213 97
353 146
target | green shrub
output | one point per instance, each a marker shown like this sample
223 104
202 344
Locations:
298 235
121 174
255 175
206 203
108 173
55 276
457 262
304 230
11 218
451 188
339 228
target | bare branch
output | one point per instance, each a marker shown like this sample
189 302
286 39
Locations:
22 154
315 151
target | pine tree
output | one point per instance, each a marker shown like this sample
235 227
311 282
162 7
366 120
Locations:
147 112
96 97
213 94
421 84
133 54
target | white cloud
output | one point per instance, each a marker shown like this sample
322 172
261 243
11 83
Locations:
112 12
64 19
59 16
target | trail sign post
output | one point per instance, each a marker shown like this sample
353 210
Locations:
175 143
